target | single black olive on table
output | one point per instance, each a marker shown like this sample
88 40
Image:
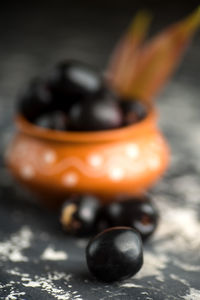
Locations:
115 254
36 100
56 120
79 215
71 81
133 111
94 115
138 213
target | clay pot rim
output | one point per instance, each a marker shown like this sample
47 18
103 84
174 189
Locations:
139 128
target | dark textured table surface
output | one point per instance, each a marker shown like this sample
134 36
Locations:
37 260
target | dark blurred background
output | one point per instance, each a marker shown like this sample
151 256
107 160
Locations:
36 34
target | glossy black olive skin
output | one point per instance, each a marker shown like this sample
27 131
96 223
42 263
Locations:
137 213
56 120
115 254
79 215
95 115
71 81
35 101
133 111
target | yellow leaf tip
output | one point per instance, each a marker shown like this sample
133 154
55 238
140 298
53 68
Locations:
140 22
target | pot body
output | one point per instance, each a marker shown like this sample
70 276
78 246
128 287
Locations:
127 163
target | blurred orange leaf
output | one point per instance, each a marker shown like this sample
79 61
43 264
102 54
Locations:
126 50
147 70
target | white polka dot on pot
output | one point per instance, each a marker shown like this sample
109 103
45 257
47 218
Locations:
22 148
157 143
132 150
27 172
153 162
49 157
116 173
95 160
70 179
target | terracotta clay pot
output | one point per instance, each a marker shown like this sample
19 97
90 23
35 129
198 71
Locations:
53 164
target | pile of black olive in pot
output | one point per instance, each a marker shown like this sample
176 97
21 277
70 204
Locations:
75 98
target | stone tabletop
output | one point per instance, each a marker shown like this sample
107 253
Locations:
38 260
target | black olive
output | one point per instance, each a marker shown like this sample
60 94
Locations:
56 120
138 213
79 215
115 254
36 100
71 81
133 111
94 115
